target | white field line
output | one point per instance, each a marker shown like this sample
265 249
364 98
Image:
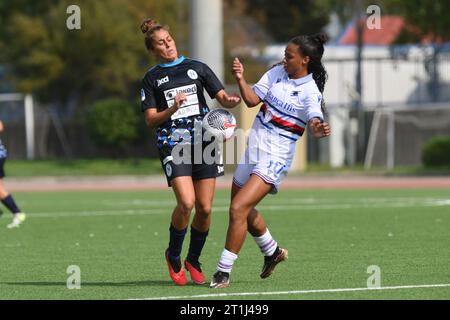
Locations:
305 207
283 201
237 294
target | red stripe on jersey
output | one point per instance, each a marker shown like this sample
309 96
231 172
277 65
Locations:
288 124
284 123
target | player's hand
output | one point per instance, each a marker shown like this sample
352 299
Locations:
237 69
233 100
318 129
180 98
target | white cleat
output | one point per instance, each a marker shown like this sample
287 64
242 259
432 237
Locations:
17 220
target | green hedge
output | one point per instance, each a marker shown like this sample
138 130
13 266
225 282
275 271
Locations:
113 122
436 152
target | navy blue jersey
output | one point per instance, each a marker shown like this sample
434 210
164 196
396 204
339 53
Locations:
3 152
163 82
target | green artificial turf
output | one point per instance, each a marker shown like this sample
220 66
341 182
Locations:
117 239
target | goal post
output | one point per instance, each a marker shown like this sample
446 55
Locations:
398 133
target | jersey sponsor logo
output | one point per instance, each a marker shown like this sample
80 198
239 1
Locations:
190 107
272 99
192 74
142 95
162 81
187 90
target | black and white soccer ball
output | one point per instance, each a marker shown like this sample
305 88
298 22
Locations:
221 123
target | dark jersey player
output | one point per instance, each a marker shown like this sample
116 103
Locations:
161 85
173 103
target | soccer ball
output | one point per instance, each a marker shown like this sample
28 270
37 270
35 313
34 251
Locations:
220 123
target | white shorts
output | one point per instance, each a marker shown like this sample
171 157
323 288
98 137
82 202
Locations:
268 167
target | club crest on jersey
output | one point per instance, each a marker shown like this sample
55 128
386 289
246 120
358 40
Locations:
162 81
192 74
168 169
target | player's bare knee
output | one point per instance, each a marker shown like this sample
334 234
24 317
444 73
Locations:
186 206
238 212
203 210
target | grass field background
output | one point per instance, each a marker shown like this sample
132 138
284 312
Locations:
145 167
118 241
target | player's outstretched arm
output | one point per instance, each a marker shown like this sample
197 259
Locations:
1 126
319 129
249 96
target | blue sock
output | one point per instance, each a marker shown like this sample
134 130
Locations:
198 240
176 242
10 204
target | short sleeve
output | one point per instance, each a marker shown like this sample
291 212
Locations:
262 87
313 103
147 95
211 83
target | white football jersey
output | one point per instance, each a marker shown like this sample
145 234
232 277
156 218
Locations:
288 105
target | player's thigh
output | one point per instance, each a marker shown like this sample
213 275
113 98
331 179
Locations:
204 193
254 190
234 190
241 177
184 190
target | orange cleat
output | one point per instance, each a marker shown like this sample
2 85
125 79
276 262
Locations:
178 277
195 271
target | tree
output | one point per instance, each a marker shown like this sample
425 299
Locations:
68 68
432 18
426 19
113 122
288 18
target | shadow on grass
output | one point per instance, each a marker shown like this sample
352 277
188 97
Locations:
145 283
149 283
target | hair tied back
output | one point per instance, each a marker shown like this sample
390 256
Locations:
320 38
148 25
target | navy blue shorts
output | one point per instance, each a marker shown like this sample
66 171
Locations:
196 168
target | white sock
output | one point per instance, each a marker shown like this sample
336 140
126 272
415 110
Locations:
226 261
266 243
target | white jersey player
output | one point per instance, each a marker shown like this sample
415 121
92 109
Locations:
291 96
288 105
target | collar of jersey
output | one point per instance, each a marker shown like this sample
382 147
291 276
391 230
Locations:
173 63
302 80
